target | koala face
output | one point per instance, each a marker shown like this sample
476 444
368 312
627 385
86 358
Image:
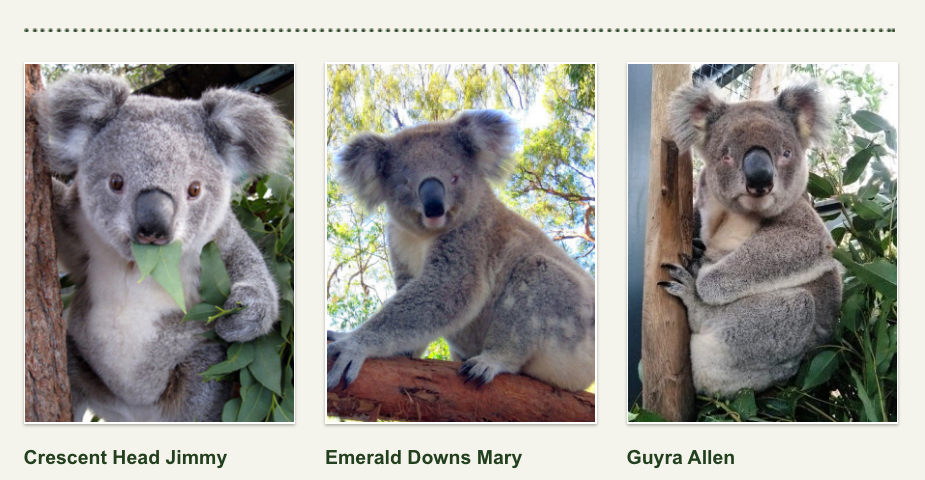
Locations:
156 170
429 176
754 152
152 175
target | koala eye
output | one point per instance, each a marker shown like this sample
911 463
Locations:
115 182
786 154
194 189
454 179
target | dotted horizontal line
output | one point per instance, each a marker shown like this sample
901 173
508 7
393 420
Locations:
458 30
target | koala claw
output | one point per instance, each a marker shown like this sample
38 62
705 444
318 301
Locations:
691 263
481 369
348 360
683 286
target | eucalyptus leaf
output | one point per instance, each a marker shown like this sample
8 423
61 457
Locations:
200 312
214 283
230 410
879 274
279 186
870 121
851 311
891 139
647 416
821 368
820 187
855 166
285 411
282 271
256 403
282 414
884 349
286 318
868 209
162 262
869 410
240 355
744 404
837 234
285 238
266 366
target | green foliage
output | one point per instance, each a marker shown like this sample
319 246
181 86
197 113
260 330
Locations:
553 182
854 378
163 264
138 75
639 414
263 367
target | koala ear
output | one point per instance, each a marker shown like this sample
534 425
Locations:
72 111
691 112
247 131
811 111
360 165
489 136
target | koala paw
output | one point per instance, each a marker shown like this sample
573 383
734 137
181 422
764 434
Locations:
482 369
255 320
692 263
335 336
348 357
684 286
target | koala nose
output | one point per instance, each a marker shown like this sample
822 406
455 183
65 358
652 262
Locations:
431 194
154 211
759 172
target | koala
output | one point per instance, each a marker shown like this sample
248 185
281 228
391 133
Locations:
766 289
468 269
152 171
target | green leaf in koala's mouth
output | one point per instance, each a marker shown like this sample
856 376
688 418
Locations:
162 262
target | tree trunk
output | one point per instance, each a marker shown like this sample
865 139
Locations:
667 383
408 389
48 395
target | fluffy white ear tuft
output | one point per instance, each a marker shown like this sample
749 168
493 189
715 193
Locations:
72 111
360 165
489 136
691 112
247 131
812 112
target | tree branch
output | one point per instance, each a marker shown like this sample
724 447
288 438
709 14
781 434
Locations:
405 389
519 97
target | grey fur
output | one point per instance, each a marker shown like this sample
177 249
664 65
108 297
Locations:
503 295
131 358
766 290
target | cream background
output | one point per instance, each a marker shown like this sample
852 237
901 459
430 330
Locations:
548 451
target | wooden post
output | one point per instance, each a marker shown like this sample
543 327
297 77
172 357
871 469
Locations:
667 384
48 395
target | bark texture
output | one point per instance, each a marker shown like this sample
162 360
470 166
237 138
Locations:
47 396
667 385
432 391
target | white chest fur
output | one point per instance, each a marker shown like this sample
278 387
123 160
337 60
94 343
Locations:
722 230
124 322
408 248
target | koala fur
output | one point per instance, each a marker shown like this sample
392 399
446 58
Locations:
503 295
766 290
135 160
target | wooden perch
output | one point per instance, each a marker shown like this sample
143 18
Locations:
406 389
667 386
